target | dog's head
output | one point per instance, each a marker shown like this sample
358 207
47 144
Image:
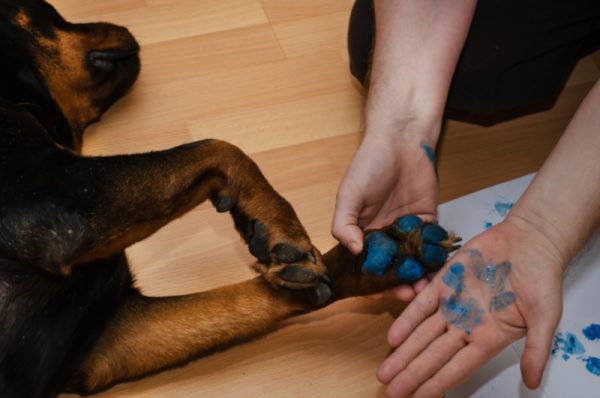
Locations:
64 74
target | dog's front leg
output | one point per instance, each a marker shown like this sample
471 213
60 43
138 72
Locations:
149 334
87 208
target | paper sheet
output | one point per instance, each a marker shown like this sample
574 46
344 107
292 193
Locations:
564 377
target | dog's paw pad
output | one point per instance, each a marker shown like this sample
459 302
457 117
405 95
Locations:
409 270
296 274
259 243
287 253
409 246
407 223
380 251
433 233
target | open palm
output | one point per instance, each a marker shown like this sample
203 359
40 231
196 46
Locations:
504 284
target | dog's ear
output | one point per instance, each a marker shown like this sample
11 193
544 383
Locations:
84 68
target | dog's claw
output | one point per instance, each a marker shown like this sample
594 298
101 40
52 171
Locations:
311 257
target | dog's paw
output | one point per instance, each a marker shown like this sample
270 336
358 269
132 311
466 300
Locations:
409 247
284 260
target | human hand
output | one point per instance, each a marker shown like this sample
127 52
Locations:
504 284
388 177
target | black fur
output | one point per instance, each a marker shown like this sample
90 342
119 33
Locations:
48 321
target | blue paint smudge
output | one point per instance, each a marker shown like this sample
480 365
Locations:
408 223
495 277
462 313
455 277
568 344
409 270
433 233
592 332
502 208
501 301
380 251
592 364
433 256
488 224
429 152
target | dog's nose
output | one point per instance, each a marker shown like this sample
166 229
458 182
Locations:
107 59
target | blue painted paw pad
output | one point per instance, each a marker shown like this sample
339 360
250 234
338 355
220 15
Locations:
407 223
380 252
409 270
410 246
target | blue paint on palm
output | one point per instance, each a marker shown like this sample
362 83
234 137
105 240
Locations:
433 233
502 208
592 364
409 270
380 252
433 256
455 277
407 223
462 313
592 332
502 301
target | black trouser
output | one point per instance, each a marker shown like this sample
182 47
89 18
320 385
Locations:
516 59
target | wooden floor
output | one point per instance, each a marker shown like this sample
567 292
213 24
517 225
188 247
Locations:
271 76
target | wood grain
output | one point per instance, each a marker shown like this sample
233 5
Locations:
271 77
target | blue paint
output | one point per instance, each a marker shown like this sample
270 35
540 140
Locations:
409 270
488 224
568 344
489 274
462 313
592 332
434 256
501 301
408 223
433 233
455 277
380 251
429 152
502 208
592 364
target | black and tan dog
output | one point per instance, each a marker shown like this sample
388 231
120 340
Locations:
70 316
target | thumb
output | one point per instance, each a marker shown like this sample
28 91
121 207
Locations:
345 224
537 350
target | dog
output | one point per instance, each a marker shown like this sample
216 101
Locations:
72 318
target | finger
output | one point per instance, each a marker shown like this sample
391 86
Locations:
415 344
459 368
427 364
420 285
404 293
537 349
344 227
417 311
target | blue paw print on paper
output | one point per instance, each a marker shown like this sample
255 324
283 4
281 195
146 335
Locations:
568 345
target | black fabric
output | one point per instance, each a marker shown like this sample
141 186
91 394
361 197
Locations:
516 59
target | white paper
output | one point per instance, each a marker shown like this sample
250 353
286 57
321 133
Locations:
501 377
